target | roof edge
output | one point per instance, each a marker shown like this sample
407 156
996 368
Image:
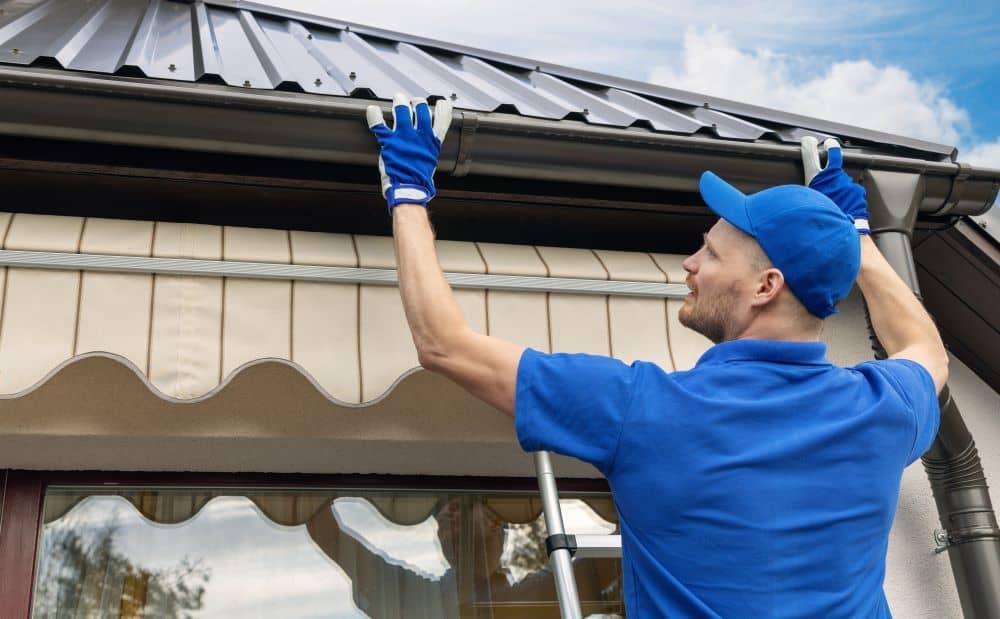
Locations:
745 110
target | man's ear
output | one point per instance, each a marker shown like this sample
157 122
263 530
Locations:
770 283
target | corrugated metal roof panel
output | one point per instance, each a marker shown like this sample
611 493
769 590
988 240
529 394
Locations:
727 126
162 46
662 118
253 46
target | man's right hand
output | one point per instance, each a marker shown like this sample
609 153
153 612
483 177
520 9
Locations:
409 151
833 182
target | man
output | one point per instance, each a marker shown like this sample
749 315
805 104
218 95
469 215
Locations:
761 483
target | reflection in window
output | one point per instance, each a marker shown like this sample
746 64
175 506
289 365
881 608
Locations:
104 559
524 544
415 547
198 553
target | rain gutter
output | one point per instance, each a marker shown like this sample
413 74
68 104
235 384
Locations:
57 104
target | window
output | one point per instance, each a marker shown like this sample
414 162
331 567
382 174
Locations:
127 552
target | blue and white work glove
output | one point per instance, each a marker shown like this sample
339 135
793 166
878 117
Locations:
833 182
410 149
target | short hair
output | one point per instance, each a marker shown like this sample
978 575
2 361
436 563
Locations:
759 260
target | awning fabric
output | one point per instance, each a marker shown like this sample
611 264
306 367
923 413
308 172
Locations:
141 371
188 334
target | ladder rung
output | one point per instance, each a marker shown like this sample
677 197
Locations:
598 546
586 546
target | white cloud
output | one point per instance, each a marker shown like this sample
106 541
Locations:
983 154
855 92
725 48
986 154
621 39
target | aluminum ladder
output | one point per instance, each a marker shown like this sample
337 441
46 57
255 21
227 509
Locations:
562 547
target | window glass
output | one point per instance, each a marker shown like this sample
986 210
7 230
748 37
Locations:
204 553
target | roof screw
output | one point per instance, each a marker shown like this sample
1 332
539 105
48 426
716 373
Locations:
705 104
318 82
982 224
353 76
586 112
715 126
246 83
309 36
453 96
172 67
538 67
347 28
15 51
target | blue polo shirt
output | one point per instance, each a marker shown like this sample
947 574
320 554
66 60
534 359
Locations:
761 483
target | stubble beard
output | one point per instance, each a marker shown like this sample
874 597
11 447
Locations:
709 317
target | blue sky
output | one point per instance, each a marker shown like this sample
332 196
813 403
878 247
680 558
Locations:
920 69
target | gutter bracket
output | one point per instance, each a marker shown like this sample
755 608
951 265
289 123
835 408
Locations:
467 137
962 174
941 541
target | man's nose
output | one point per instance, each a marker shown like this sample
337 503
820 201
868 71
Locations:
689 264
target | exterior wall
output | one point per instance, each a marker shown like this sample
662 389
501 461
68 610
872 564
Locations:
919 582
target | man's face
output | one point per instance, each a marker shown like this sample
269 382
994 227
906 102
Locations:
721 280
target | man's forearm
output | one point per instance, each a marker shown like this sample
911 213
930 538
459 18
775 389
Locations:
485 366
899 319
430 306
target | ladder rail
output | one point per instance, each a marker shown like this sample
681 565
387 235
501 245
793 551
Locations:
560 560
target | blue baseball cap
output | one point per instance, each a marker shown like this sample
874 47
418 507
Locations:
806 236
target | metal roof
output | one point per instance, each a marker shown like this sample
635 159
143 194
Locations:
253 46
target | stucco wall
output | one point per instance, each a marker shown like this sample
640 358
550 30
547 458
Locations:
919 583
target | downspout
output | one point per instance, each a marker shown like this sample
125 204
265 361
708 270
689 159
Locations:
970 535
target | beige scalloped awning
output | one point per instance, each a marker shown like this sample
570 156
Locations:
160 359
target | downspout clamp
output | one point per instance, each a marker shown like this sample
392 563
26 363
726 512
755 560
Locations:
970 534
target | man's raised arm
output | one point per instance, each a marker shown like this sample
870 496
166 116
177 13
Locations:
485 366
901 323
